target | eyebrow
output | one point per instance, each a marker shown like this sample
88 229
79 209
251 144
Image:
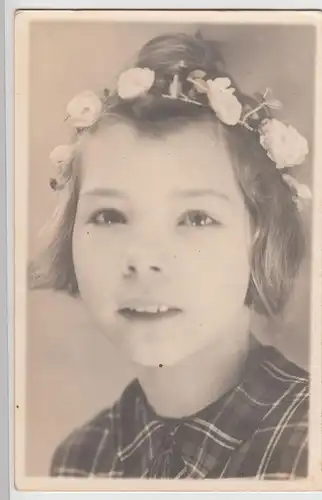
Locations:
189 193
98 191
193 193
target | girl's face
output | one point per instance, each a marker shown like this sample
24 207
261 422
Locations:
161 241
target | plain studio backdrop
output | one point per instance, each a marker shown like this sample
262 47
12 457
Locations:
73 371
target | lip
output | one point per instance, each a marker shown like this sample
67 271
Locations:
139 310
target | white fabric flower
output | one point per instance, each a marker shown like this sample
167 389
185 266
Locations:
223 101
196 77
84 109
61 158
302 190
135 82
62 155
284 145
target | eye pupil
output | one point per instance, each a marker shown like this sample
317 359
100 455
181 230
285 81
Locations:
108 217
197 219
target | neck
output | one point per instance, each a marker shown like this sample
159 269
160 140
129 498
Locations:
189 386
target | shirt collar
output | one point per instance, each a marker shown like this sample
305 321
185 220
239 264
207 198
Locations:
152 446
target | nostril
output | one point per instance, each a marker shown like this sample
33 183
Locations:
157 269
129 271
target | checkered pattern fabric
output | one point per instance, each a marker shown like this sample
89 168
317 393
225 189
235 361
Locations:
258 429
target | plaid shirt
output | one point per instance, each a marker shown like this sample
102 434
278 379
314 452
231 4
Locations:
258 429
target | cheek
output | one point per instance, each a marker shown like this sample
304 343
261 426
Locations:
219 264
97 261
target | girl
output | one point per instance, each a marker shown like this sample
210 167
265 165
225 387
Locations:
178 217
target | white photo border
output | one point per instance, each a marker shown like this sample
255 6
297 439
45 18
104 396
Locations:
8 305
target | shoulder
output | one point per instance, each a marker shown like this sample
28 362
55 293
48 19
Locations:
77 453
279 446
87 447
284 431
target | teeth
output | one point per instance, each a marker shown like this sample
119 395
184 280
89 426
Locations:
150 309
139 309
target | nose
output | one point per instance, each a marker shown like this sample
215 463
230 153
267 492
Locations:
131 270
139 262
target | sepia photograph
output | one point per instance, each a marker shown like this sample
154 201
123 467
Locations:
165 317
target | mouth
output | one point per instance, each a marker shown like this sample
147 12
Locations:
149 313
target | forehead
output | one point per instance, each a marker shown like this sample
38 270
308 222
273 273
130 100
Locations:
193 155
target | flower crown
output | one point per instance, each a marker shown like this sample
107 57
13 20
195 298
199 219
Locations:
281 142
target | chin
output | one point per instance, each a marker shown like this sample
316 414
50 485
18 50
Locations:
154 358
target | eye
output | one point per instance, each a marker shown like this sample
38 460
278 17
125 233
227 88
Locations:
107 217
197 218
